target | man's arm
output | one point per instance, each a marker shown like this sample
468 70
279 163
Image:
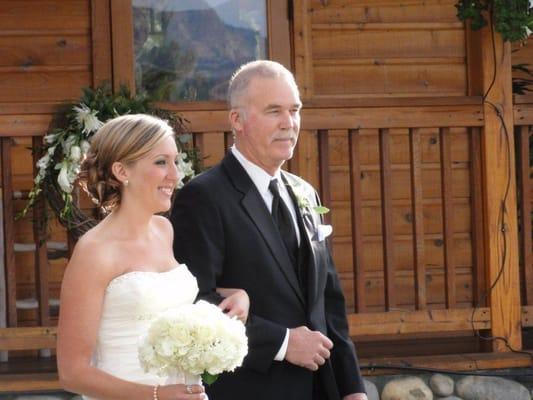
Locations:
199 242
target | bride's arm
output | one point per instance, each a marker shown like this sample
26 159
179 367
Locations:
82 295
236 302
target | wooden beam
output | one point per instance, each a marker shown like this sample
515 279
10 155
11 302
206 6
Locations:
357 222
323 170
29 382
417 211
424 321
386 219
9 231
122 44
476 205
41 266
499 198
473 362
101 41
446 180
523 156
28 338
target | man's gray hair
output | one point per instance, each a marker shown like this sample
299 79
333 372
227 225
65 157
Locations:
241 79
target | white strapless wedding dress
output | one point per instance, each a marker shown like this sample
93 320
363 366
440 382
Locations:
131 302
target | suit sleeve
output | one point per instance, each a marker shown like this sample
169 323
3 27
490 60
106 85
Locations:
343 356
199 242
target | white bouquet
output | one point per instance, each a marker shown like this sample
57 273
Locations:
195 339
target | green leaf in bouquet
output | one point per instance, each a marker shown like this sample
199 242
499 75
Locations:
208 379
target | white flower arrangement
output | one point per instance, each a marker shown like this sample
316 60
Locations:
196 339
65 148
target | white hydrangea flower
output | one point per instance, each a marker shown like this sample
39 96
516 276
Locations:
195 338
87 118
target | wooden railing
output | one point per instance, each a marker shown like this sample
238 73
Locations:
523 117
403 180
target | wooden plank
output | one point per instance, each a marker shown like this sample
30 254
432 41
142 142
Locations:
44 14
21 86
527 316
373 12
386 219
455 362
303 50
501 233
447 214
323 170
523 156
29 383
388 61
9 232
228 140
101 41
24 125
3 278
418 219
478 249
408 43
358 117
407 322
41 266
356 222
279 32
44 49
389 26
387 79
28 338
122 44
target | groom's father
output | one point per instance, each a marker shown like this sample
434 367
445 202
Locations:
247 224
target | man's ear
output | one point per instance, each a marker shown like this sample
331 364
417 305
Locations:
235 119
120 171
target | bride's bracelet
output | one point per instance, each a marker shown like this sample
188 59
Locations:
156 389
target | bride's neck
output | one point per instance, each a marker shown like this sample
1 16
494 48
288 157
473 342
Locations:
131 224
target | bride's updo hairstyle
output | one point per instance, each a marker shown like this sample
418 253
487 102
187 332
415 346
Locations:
124 139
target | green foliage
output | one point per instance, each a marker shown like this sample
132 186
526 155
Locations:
511 18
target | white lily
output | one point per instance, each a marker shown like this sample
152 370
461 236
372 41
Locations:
84 145
87 118
75 153
63 179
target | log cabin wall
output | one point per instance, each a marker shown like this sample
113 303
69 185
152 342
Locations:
389 137
46 58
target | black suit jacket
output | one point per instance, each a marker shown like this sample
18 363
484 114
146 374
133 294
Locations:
226 236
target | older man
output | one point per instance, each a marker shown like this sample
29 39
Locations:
247 224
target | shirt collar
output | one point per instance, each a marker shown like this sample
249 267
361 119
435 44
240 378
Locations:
258 175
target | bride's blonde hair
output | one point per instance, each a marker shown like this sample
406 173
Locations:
124 139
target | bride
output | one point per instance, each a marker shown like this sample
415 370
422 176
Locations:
123 272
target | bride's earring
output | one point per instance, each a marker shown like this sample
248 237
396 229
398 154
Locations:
126 183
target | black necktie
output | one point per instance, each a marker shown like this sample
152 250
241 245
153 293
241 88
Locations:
283 220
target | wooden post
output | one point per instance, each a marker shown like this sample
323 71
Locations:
122 44
493 81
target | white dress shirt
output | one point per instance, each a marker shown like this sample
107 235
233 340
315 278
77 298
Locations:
261 180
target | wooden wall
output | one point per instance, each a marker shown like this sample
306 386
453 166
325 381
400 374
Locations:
45 60
376 48
346 53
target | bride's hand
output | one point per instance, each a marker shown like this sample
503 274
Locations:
236 303
181 392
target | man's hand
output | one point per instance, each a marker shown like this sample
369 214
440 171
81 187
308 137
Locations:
355 396
307 349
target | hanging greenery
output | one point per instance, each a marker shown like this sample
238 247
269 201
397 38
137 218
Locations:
511 18
65 148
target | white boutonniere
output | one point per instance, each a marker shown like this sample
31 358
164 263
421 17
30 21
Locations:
303 202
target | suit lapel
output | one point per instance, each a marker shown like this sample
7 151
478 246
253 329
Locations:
305 223
255 207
